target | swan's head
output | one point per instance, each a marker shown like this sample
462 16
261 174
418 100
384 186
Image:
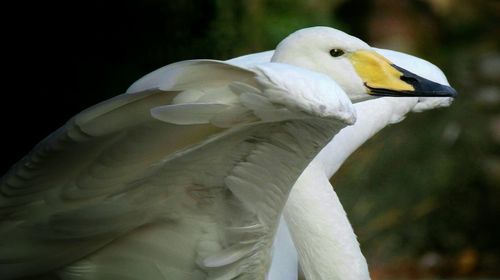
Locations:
354 65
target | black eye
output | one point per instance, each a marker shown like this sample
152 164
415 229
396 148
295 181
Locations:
336 52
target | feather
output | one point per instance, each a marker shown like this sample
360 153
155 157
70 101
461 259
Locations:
185 114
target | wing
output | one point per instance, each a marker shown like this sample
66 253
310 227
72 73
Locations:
184 177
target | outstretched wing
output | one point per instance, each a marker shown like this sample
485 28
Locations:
185 176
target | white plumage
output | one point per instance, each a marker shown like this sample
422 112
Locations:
322 233
186 175
313 211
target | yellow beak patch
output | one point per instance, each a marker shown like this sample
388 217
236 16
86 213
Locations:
377 72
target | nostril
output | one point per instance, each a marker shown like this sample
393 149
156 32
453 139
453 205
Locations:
409 80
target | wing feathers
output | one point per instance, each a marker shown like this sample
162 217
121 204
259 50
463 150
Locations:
185 114
191 74
201 156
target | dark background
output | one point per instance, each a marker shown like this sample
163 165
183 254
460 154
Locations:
423 196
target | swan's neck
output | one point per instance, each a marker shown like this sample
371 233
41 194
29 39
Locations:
323 236
284 265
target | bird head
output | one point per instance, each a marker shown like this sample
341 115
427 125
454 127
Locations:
354 65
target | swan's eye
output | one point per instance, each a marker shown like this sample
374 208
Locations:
336 52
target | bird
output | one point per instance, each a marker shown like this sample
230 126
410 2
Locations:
185 175
331 245
327 243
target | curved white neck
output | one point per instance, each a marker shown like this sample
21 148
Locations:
319 227
321 232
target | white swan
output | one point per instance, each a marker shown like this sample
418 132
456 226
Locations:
186 175
313 210
325 239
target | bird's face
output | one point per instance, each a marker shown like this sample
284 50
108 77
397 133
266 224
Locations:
354 65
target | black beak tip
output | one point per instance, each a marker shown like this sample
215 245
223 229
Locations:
425 87
453 92
447 91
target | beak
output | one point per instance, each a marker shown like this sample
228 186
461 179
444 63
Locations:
382 78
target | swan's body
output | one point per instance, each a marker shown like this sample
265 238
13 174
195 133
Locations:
186 175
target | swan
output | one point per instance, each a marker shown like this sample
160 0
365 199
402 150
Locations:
185 175
326 242
324 238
